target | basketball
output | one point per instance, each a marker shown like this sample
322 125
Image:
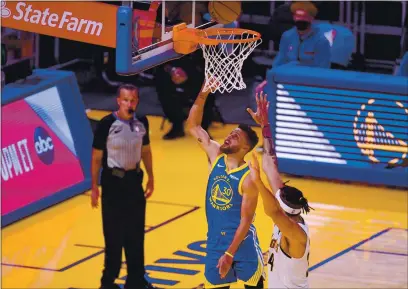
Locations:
224 12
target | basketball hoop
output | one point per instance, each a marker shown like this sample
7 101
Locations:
224 51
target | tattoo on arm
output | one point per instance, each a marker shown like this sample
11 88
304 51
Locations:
269 146
270 149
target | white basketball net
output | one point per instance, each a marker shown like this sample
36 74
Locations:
224 61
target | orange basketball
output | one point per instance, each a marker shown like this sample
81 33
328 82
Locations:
224 12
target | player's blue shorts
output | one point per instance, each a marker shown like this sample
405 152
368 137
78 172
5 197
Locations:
247 265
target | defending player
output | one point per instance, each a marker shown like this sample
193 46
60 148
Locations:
233 250
289 249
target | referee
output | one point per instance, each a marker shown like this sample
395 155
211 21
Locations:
120 142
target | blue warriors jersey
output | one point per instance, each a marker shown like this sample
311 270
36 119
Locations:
224 197
223 210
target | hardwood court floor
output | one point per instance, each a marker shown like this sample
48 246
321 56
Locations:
359 234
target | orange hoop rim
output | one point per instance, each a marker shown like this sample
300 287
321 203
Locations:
202 35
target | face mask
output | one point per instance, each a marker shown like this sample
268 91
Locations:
302 25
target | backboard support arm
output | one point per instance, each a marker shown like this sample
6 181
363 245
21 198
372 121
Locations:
130 61
128 64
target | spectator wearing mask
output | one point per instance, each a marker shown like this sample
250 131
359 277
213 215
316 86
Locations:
303 44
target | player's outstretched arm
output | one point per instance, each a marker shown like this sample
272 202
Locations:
194 120
269 159
289 228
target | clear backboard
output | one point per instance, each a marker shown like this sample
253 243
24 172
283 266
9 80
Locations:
144 32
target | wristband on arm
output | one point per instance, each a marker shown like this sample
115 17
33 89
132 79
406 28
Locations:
266 131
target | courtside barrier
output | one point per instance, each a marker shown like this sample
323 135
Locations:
342 125
46 142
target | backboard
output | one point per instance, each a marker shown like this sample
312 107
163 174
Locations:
144 32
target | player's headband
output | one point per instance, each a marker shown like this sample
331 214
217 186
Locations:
285 207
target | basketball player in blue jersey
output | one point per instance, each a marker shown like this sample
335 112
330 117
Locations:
233 251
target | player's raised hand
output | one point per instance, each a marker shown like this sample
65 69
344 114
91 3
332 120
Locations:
262 108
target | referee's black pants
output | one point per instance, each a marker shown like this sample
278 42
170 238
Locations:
123 216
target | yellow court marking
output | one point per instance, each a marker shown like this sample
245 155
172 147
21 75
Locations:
67 242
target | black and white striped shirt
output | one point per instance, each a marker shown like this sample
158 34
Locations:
121 140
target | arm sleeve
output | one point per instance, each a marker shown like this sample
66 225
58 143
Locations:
322 53
101 134
146 138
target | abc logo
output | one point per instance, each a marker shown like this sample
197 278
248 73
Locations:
44 146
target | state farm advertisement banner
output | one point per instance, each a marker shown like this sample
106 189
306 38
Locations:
89 22
38 156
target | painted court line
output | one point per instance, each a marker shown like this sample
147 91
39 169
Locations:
172 219
172 204
81 261
351 248
151 228
157 202
381 252
29 267
314 267
89 246
102 249
345 251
